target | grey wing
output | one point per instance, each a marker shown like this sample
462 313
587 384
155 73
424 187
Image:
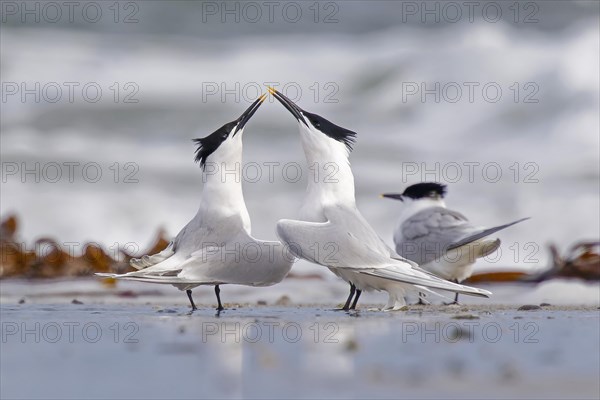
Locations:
344 241
207 232
150 260
242 260
427 235
195 235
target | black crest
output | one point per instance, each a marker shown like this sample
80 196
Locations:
332 130
207 145
425 189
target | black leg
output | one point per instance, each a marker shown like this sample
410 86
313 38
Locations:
217 292
358 293
347 305
421 302
455 295
189 293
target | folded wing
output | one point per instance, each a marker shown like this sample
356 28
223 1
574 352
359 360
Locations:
241 260
426 235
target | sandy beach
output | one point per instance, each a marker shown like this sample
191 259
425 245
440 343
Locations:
141 341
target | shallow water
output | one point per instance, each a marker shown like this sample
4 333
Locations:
151 346
75 351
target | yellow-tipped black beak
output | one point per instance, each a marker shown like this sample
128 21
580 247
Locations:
289 105
395 196
245 117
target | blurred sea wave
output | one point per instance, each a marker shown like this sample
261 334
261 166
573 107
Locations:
367 58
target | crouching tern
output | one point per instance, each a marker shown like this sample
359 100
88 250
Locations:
441 240
333 233
216 247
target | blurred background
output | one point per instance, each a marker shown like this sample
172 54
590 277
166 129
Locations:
100 101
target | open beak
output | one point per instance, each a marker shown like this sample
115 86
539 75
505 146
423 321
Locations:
250 112
290 105
395 196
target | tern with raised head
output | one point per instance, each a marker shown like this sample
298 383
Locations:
215 247
441 240
333 233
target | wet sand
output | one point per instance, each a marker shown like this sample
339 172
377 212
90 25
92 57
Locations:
151 346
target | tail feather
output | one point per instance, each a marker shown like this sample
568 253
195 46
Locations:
168 268
148 261
180 283
171 280
426 280
171 266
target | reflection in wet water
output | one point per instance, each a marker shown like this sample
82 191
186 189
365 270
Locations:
279 352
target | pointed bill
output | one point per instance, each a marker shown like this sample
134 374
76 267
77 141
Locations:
245 117
289 105
395 196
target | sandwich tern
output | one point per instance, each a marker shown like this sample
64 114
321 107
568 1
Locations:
333 233
441 240
216 247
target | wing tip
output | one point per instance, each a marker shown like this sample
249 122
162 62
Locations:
447 285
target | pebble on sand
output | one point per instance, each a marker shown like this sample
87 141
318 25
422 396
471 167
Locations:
528 307
283 301
465 316
351 345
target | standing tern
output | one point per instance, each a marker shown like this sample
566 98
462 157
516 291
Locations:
441 240
333 233
216 247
